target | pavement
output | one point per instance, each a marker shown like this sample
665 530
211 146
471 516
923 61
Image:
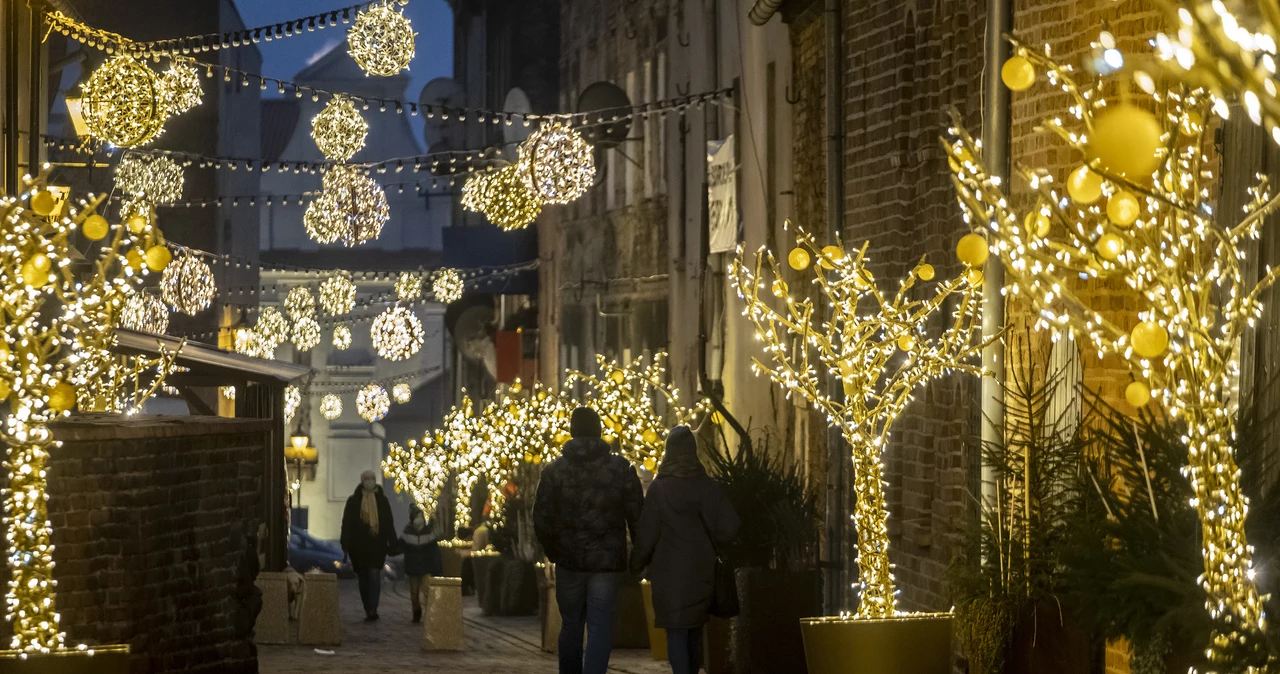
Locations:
394 644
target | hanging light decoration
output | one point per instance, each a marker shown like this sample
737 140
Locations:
503 197
408 286
153 178
337 294
121 103
381 41
252 344
472 190
447 286
372 402
145 313
331 406
136 215
351 208
401 393
188 284
556 164
397 334
341 337
180 87
339 130
306 333
300 303
273 327
292 399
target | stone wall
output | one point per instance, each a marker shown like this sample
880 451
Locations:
154 520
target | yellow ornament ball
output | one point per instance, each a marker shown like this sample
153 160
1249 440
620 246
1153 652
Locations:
780 288
1123 209
1084 186
1018 74
136 224
34 277
830 255
717 418
863 279
41 262
906 342
1037 224
650 437
972 250
1110 246
95 228
608 438
4 352
1137 394
62 397
1150 339
563 437
5 389
925 272
134 258
44 202
537 459
798 258
617 376
974 277
1126 140
158 257
650 464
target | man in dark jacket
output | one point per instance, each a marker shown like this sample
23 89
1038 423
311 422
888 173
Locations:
368 532
587 500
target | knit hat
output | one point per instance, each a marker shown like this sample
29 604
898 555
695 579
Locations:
584 423
681 458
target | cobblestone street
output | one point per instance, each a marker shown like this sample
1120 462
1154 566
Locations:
393 644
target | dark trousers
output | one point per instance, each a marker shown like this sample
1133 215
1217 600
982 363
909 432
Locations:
684 650
370 589
586 600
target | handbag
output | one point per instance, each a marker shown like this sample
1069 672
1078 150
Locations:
724 599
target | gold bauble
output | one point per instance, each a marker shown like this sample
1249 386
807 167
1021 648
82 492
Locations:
95 227
34 277
62 397
1037 224
1018 74
158 257
1084 186
5 389
780 288
121 103
1126 141
381 41
1123 209
717 418
973 276
798 258
925 271
41 262
650 436
906 342
1110 246
134 259
44 202
830 255
650 464
617 376
1137 393
339 130
137 224
972 250
1149 338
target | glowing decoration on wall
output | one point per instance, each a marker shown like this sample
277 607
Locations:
331 406
381 41
397 334
306 333
1188 268
402 393
188 285
503 197
447 286
556 164
409 286
121 103
337 294
372 402
858 341
144 312
341 337
300 303
292 400
339 130
153 178
352 208
272 327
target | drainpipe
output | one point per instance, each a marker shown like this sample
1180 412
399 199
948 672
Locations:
836 516
36 79
11 11
995 153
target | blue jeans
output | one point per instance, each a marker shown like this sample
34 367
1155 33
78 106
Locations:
586 600
370 589
684 650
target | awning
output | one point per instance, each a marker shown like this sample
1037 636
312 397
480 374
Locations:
203 359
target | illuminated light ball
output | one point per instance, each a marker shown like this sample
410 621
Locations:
397 334
906 342
504 198
401 393
292 399
145 313
352 208
617 376
447 286
272 327
1137 394
306 333
1110 246
341 337
381 40
650 464
1123 209
650 436
34 277
337 295
44 202
780 288
1018 74
830 255
1084 186
95 227
925 271
331 406
62 397
556 164
1126 140
134 259
974 277
121 103
180 87
339 130
372 402
798 258
300 303
516 387
152 178
158 257
408 286
1037 224
972 250
1150 339
187 284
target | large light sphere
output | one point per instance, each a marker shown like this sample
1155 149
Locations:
504 198
306 333
409 286
1137 394
62 397
972 250
1126 141
121 103
1018 74
272 327
153 178
1084 186
339 130
447 286
292 399
1110 246
157 257
556 164
95 227
341 337
144 312
300 303
798 258
925 271
402 393
180 88
352 208
1150 339
188 285
397 334
1123 209
331 406
381 41
337 295
1037 224
372 402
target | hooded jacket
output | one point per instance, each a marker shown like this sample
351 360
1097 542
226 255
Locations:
587 501
366 549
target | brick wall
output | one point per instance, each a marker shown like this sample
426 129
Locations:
150 517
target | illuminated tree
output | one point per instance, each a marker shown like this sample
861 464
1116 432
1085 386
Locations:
1137 210
878 347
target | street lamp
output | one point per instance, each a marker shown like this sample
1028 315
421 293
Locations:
301 453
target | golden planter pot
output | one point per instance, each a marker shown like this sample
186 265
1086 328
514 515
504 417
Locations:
917 643
104 660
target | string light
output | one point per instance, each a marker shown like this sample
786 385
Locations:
556 164
341 337
409 286
337 294
152 178
300 303
372 402
351 208
145 313
272 327
306 333
188 285
397 334
402 393
339 130
331 406
381 41
292 400
503 197
447 286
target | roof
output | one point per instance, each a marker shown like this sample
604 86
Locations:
210 360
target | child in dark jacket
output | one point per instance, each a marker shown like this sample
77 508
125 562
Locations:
421 556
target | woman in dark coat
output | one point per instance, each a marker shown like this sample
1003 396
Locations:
422 558
368 532
683 511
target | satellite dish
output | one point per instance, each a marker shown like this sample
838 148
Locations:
605 100
441 133
517 101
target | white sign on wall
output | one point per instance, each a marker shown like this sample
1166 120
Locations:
722 195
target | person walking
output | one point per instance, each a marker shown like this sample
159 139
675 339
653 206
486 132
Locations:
587 501
686 516
368 533
422 558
